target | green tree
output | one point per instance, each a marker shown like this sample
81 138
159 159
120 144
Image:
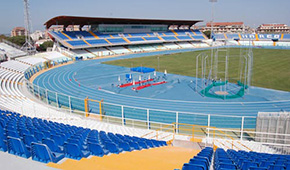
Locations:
18 40
45 45
207 33
2 37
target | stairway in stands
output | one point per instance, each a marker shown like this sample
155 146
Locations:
164 158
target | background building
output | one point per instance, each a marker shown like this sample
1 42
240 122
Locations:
226 27
273 28
18 31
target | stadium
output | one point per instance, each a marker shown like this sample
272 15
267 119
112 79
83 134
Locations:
127 93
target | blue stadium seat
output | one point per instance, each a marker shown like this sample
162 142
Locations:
12 133
277 167
198 37
169 38
111 147
280 162
258 168
58 139
287 165
78 142
135 145
97 42
184 38
77 43
135 39
125 146
52 145
187 166
149 143
248 164
199 162
143 145
17 147
202 158
41 153
39 136
152 38
227 166
266 164
23 132
73 151
28 139
117 41
3 146
97 150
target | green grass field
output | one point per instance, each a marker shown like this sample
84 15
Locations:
271 67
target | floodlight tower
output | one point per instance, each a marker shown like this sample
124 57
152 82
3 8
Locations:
28 45
211 32
212 16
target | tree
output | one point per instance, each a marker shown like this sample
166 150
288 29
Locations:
18 40
207 33
45 45
2 37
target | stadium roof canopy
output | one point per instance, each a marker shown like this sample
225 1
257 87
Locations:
74 20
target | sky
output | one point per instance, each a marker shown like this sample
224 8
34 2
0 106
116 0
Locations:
252 12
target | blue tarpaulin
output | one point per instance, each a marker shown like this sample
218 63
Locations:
143 69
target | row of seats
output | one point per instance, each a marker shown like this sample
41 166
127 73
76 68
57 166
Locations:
201 161
65 35
252 36
243 160
263 161
47 141
87 39
223 161
108 41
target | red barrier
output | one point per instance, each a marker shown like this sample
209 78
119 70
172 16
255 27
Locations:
141 87
137 82
148 85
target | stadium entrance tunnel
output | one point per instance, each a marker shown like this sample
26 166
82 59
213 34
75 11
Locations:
215 90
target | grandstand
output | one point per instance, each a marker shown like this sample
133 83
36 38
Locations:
10 51
48 115
260 40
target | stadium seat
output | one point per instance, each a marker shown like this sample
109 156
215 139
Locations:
187 166
52 145
125 146
58 139
3 146
258 168
12 133
73 151
97 150
247 164
203 158
41 153
143 145
28 139
17 147
39 136
227 166
266 164
135 145
112 148
149 143
277 167
199 162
